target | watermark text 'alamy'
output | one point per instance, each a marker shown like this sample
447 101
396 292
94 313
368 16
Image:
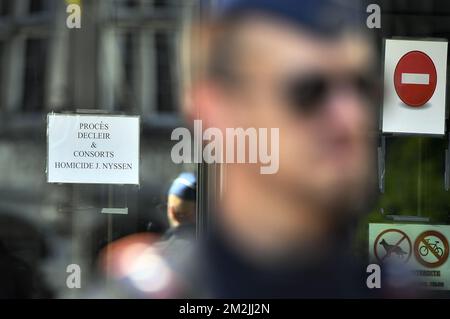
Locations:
248 145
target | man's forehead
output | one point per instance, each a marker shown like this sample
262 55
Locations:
275 42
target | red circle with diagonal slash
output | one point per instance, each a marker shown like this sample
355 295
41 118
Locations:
377 239
411 67
421 239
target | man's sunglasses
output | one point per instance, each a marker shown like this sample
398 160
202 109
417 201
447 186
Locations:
308 94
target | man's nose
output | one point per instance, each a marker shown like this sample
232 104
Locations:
347 110
346 106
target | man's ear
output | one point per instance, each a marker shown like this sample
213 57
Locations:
171 215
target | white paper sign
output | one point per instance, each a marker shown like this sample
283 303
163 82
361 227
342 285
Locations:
424 249
93 149
415 84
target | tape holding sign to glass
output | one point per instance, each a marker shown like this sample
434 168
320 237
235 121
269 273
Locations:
415 86
93 149
421 248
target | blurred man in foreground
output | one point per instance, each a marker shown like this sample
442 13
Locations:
306 68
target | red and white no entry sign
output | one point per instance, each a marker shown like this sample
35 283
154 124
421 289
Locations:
415 78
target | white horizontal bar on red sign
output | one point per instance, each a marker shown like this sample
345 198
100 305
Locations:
415 78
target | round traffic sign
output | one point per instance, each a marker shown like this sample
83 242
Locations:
415 78
431 249
392 243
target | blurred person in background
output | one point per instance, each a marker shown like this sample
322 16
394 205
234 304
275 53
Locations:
15 276
145 266
181 216
21 275
307 68
180 212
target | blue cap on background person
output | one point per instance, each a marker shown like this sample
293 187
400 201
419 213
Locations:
184 186
326 17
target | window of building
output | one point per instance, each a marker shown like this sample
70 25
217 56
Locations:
34 75
5 7
2 50
36 6
164 75
160 3
132 3
130 69
128 97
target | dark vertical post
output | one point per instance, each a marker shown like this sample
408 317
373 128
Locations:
381 162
